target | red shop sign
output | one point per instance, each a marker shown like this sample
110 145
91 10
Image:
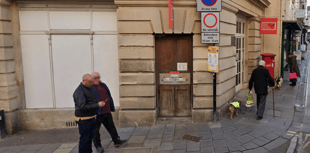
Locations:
268 25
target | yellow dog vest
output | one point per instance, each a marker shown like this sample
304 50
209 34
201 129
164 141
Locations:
235 104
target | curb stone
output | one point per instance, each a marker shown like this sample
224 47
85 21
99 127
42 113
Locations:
293 145
300 141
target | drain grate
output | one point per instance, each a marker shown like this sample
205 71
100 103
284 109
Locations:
71 124
191 138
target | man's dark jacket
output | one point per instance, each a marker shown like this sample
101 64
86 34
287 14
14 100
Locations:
98 98
260 77
85 102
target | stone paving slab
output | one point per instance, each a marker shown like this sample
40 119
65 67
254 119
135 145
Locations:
257 150
141 131
276 143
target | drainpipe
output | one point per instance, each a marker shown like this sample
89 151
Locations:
282 51
281 45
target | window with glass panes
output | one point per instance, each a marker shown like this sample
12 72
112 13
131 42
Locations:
240 41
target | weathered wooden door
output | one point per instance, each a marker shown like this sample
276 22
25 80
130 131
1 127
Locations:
174 66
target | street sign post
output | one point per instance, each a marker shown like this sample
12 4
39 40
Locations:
210 33
209 5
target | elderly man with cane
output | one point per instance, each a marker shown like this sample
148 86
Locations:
104 115
261 77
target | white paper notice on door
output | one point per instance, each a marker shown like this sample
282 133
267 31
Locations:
213 61
182 66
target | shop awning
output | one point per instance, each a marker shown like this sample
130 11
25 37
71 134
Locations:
292 25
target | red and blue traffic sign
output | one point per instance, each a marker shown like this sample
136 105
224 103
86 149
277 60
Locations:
209 2
209 5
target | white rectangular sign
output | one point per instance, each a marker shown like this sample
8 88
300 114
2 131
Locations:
213 61
182 67
300 13
306 22
209 5
210 22
207 38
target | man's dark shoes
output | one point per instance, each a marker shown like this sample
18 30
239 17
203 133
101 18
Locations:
259 118
100 150
118 142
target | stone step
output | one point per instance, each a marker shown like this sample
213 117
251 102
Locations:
174 120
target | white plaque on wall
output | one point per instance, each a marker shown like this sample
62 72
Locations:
182 66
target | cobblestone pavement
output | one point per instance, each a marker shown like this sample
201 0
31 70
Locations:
241 134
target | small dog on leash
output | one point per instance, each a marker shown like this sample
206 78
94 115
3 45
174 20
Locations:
234 107
279 82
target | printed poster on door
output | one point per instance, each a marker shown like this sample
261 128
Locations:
213 54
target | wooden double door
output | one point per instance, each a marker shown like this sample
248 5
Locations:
174 67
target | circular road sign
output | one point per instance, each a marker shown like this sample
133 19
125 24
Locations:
209 2
210 20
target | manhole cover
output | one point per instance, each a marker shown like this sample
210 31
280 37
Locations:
191 138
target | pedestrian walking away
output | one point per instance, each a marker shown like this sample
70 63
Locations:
104 115
261 79
86 107
293 68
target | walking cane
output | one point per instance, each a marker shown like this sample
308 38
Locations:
273 102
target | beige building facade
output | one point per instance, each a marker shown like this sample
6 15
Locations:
138 24
136 35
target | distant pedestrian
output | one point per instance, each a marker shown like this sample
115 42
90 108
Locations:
86 106
293 67
104 115
261 77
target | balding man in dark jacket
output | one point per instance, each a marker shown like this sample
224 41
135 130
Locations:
261 77
86 106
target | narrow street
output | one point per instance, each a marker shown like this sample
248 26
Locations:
241 134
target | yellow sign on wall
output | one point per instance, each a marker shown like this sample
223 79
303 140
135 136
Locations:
213 58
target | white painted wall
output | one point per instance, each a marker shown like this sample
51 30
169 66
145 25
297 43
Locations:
104 21
37 72
70 54
33 21
71 60
105 55
70 20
